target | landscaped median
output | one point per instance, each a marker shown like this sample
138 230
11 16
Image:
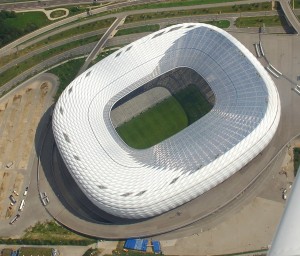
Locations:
265 6
259 21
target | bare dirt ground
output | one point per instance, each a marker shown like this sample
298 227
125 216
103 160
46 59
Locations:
20 113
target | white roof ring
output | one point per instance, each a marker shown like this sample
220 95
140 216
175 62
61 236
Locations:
131 183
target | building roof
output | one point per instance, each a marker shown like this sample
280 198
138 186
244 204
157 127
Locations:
133 183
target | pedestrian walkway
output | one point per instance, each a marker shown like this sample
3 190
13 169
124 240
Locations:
112 30
290 15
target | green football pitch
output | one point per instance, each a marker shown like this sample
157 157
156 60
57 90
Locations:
164 119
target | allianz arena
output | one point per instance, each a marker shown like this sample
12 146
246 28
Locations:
135 184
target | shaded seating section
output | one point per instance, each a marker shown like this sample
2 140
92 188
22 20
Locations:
136 244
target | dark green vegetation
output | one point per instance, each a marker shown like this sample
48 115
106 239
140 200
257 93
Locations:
14 25
224 9
296 159
66 73
193 103
35 251
164 119
269 21
141 29
154 125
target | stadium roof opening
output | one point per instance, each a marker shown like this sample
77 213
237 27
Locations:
131 183
162 107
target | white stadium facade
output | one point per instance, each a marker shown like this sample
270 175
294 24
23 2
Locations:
135 184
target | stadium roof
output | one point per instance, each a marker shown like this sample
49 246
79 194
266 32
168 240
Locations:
132 183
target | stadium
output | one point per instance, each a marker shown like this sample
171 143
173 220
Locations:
141 182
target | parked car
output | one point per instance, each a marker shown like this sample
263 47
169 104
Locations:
26 191
12 199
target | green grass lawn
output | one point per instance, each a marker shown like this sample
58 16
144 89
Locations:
193 103
177 3
165 119
14 25
25 19
296 159
55 234
35 251
269 21
219 23
264 6
154 125
140 29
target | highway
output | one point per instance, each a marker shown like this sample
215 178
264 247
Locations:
10 48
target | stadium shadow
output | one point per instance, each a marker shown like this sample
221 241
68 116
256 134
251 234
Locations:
61 181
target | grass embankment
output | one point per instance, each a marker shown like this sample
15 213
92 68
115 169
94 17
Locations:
34 251
66 73
164 119
49 233
53 233
224 9
178 3
218 23
140 29
269 21
154 125
296 160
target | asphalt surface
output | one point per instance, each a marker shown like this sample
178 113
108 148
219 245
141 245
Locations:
32 210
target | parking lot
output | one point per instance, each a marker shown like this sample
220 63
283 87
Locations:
20 113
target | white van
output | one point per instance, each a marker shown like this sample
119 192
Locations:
22 205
